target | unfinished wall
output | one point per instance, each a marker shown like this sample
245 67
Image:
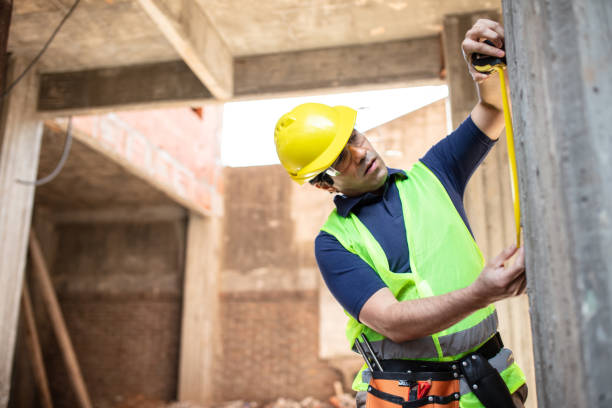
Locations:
269 307
115 246
119 286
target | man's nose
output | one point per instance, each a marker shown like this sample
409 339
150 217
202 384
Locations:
357 153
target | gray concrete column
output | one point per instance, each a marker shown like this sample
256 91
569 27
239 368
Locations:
200 330
21 138
560 59
488 197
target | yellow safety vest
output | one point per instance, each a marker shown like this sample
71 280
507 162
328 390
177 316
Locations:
443 257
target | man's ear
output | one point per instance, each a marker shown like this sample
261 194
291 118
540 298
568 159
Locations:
324 186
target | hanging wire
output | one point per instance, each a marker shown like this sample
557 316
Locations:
60 165
25 71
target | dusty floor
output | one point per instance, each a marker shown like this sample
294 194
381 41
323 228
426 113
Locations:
338 401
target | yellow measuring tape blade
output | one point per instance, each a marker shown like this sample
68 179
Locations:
511 155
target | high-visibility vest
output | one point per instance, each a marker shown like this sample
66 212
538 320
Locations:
443 257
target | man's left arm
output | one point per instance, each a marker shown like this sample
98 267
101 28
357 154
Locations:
488 113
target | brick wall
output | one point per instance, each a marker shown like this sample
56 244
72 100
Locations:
126 347
269 303
271 347
174 149
119 286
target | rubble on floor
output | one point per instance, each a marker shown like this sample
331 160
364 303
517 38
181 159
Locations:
340 399
336 401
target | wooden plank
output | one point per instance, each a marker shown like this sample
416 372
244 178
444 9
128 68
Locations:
6 9
393 63
35 352
59 325
158 213
21 140
196 40
199 337
132 87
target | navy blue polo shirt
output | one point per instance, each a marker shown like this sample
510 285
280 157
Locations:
350 279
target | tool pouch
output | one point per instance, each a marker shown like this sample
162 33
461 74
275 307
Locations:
393 390
485 382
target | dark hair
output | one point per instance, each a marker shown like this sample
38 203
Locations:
322 178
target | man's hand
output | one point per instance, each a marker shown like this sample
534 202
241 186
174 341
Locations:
498 281
487 114
473 43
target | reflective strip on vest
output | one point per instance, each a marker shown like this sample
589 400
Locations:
451 345
460 342
386 349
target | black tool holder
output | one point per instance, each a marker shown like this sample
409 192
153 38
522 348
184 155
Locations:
485 382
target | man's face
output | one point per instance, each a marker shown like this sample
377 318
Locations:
361 169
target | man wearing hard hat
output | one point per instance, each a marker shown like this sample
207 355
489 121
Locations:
398 254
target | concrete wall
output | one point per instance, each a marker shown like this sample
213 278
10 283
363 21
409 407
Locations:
561 85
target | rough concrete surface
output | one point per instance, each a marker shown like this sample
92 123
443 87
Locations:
560 53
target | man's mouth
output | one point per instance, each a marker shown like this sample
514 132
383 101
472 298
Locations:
370 166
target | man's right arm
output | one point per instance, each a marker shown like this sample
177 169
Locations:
412 319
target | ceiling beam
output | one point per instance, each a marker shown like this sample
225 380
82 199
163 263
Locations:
131 87
358 67
394 63
196 40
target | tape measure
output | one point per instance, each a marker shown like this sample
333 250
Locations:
487 64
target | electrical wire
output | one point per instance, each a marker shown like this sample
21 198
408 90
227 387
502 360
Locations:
42 51
60 165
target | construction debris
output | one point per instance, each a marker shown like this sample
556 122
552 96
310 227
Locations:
340 400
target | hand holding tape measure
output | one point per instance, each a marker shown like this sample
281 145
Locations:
487 64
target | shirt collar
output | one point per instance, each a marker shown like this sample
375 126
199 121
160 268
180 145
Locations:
344 204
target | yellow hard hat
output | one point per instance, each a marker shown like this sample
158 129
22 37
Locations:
310 138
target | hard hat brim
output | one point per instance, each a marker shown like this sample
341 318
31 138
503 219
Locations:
345 125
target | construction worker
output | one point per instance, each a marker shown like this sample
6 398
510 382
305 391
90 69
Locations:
398 254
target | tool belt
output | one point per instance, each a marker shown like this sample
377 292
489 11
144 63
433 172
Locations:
414 383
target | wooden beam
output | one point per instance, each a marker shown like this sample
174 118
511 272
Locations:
120 214
18 160
35 353
199 337
59 325
196 40
131 87
6 9
392 63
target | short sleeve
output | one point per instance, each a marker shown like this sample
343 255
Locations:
349 278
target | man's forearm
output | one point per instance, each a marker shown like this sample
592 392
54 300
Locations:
411 319
423 317
488 112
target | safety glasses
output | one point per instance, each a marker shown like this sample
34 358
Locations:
343 160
